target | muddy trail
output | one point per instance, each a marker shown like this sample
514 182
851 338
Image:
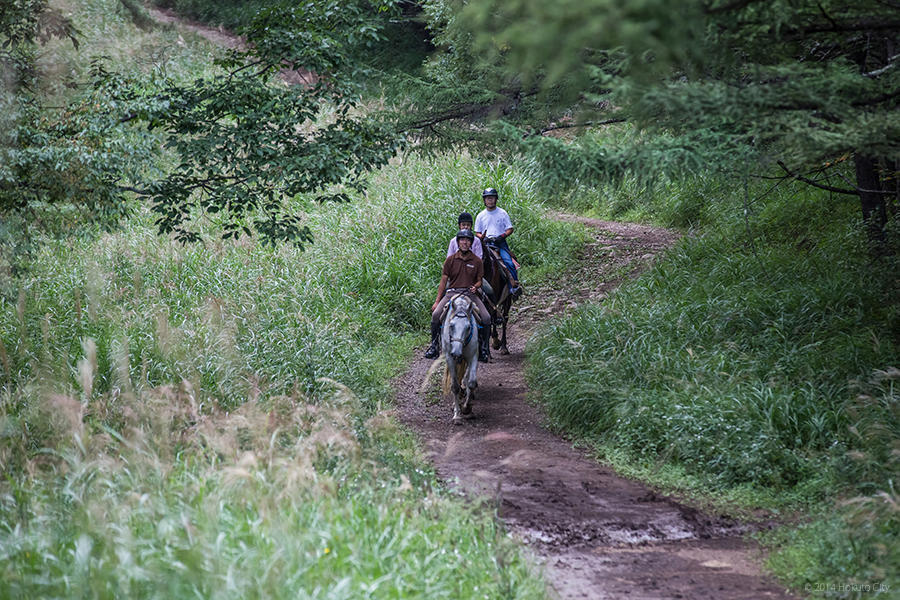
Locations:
595 534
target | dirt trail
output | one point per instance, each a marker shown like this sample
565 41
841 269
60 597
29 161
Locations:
596 534
227 39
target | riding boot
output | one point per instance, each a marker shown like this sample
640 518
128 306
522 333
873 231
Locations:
433 350
484 350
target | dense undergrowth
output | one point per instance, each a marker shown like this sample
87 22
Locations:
757 362
167 417
171 422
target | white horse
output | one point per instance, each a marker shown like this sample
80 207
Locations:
459 343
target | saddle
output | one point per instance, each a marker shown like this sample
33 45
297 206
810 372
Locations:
453 292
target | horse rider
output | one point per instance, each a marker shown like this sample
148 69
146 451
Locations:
493 226
462 273
465 222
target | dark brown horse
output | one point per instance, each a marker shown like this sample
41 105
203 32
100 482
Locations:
500 301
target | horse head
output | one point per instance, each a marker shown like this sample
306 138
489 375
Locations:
459 325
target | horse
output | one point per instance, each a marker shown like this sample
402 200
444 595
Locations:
497 291
459 344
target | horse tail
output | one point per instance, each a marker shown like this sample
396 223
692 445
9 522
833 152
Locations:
445 384
461 367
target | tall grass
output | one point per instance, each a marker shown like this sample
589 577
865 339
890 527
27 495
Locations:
169 420
745 363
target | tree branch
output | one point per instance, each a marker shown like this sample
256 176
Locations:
821 186
735 5
572 125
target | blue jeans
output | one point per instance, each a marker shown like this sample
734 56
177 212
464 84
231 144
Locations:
506 257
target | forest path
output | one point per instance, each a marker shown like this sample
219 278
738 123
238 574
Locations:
596 534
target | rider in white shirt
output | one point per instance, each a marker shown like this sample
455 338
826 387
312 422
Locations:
493 226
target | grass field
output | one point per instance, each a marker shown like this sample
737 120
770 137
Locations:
211 420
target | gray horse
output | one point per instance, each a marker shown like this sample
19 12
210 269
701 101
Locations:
459 344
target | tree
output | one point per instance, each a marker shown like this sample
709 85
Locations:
247 142
244 142
808 90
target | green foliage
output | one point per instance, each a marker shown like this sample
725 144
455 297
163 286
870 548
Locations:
277 500
732 364
230 14
755 363
168 418
735 87
64 150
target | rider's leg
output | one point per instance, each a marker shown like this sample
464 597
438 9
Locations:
434 349
484 338
508 261
484 317
506 257
484 332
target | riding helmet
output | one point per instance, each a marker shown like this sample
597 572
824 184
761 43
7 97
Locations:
464 218
465 233
490 192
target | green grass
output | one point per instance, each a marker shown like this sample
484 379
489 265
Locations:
169 426
170 421
753 373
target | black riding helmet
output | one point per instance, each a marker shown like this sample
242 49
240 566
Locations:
465 233
490 192
464 218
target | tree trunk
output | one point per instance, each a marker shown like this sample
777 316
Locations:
872 198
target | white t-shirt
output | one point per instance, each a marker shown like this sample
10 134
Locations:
492 222
476 248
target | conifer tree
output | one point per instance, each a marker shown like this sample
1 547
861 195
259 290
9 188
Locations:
797 89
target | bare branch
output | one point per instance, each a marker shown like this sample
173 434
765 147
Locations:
585 124
829 188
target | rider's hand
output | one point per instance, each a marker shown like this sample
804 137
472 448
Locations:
434 306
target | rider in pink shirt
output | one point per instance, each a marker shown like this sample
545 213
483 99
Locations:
465 222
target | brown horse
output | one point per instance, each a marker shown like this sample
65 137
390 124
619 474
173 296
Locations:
497 276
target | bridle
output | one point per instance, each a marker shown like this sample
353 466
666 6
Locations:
467 313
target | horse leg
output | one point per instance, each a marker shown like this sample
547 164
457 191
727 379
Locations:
495 337
471 384
452 377
503 348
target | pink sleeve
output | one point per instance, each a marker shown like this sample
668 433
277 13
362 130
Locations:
452 248
476 248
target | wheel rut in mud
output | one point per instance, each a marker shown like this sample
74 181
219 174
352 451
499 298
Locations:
596 534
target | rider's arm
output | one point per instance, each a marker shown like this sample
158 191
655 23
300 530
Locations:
507 233
479 277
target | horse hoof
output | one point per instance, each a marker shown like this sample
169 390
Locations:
505 350
495 344
457 421
467 409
